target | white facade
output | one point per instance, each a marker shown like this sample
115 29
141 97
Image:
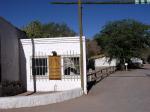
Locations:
142 1
44 47
104 62
137 60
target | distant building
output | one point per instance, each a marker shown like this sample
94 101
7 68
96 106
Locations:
137 60
101 61
142 1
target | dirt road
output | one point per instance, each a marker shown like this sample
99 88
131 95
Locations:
120 92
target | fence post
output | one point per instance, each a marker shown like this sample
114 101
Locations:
90 76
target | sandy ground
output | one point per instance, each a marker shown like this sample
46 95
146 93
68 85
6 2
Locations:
120 92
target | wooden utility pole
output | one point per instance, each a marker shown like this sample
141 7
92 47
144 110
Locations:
106 2
81 43
81 26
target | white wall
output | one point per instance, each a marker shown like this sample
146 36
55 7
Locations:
62 45
137 60
103 62
138 1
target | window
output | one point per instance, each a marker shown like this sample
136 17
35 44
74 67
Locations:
71 66
39 66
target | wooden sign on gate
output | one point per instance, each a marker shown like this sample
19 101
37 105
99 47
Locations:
54 67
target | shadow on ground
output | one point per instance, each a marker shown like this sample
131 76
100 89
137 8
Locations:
90 84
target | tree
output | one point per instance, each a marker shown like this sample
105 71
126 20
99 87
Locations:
145 55
92 48
57 30
36 29
148 59
124 39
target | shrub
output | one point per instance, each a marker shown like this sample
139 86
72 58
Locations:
91 64
11 88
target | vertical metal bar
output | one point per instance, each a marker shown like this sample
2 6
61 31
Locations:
30 66
81 43
35 64
42 58
74 62
45 64
42 63
38 64
73 59
68 61
139 1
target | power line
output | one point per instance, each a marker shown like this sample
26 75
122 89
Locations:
106 2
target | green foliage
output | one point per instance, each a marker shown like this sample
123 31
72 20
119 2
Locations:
145 54
92 48
124 39
36 29
11 88
148 59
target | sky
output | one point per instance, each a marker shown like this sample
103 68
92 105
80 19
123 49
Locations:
22 12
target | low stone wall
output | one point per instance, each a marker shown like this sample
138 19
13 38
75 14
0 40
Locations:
100 73
37 100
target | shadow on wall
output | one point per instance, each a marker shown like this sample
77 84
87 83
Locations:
22 65
12 57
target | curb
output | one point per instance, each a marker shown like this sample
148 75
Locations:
37 100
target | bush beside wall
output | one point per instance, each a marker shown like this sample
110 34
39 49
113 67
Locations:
11 88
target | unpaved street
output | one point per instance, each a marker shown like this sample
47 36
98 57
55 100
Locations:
120 92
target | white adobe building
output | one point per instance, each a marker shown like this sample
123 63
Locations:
137 60
103 61
142 1
58 71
